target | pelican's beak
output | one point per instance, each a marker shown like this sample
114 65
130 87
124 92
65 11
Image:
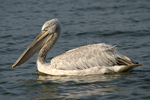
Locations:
42 38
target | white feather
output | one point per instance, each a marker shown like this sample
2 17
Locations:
85 60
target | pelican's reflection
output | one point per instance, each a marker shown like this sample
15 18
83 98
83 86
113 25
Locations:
77 86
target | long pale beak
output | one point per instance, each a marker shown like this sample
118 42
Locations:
42 38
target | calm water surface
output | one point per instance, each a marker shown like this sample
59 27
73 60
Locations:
125 23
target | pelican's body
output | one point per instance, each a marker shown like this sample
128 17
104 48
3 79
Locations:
90 59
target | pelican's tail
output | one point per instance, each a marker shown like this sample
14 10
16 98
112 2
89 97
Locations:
126 64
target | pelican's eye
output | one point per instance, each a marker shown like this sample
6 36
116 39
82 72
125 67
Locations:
56 29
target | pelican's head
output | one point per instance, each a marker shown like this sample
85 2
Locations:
49 30
51 26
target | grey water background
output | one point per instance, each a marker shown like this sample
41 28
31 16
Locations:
125 23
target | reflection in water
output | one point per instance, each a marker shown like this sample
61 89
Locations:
66 87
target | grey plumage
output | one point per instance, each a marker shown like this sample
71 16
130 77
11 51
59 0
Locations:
90 56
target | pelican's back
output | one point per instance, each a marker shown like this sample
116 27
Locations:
89 56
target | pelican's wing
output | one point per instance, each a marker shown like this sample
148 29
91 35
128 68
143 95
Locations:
89 56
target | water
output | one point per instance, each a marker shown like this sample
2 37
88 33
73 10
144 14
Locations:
125 23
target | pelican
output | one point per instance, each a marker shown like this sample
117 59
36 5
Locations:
85 60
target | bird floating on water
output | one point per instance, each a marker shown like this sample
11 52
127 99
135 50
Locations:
85 60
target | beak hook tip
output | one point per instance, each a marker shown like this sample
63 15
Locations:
13 66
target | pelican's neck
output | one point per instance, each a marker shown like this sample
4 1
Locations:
45 49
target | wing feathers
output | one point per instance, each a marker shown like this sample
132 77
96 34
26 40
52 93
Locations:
89 56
